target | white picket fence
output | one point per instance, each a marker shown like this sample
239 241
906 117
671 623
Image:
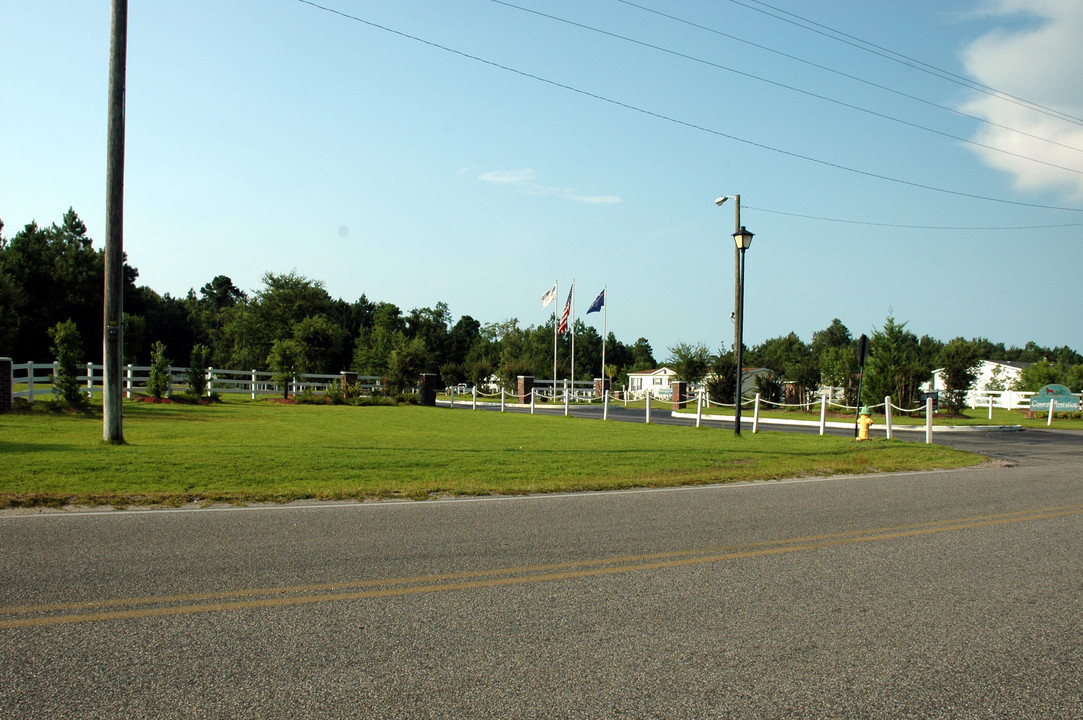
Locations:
1007 399
36 379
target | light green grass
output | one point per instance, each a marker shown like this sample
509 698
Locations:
242 451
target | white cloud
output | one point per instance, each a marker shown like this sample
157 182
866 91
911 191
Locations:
509 176
1039 61
525 178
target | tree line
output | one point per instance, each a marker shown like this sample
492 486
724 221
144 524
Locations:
50 275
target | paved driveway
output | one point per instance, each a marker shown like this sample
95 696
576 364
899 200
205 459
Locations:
922 595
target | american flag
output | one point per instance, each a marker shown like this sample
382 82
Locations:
567 310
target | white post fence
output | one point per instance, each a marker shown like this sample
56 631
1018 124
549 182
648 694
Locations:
928 421
135 378
887 412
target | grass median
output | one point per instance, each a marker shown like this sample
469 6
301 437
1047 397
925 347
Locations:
255 451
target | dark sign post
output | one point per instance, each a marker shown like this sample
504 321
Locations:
862 351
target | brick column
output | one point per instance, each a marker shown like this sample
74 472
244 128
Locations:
348 378
680 394
600 386
6 385
427 389
523 387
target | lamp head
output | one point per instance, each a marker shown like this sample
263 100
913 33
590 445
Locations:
721 200
742 238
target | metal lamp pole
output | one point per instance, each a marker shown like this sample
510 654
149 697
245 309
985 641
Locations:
736 259
742 239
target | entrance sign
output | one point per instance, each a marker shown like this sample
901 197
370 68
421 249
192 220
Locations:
1059 396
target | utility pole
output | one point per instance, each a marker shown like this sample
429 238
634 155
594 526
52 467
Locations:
113 331
737 288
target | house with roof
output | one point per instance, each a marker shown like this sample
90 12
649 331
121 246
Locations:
657 382
994 377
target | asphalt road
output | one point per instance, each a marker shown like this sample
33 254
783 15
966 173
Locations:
922 595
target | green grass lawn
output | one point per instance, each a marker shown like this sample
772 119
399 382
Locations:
243 450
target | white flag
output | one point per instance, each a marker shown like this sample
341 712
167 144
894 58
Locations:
550 295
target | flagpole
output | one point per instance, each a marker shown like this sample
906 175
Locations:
605 313
555 306
573 335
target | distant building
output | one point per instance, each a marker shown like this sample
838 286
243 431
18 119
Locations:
994 377
657 382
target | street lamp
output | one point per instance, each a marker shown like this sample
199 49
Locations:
742 239
736 253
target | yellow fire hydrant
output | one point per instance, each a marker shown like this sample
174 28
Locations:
864 422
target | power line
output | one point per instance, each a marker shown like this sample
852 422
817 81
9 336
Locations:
912 227
866 46
848 76
784 86
683 123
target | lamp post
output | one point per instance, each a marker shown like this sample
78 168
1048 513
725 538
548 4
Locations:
742 239
736 257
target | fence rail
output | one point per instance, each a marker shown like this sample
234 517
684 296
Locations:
36 379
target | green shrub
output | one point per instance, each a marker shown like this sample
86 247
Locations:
197 370
308 396
343 393
159 378
67 348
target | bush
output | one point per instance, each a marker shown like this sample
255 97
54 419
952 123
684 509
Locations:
308 396
343 393
159 379
197 370
67 348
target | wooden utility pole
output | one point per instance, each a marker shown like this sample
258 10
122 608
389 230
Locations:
113 340
736 284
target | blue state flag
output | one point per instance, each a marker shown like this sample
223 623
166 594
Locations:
597 304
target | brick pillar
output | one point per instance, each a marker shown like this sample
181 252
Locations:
600 386
793 393
348 378
680 394
6 385
427 389
523 387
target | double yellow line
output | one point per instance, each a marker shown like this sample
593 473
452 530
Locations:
147 607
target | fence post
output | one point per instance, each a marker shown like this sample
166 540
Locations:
90 379
605 404
210 380
531 401
501 399
7 385
928 421
1052 404
566 399
990 407
128 381
823 414
30 381
254 380
648 407
474 404
887 411
699 409
756 416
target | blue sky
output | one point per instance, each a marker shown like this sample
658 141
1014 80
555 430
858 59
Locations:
474 152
